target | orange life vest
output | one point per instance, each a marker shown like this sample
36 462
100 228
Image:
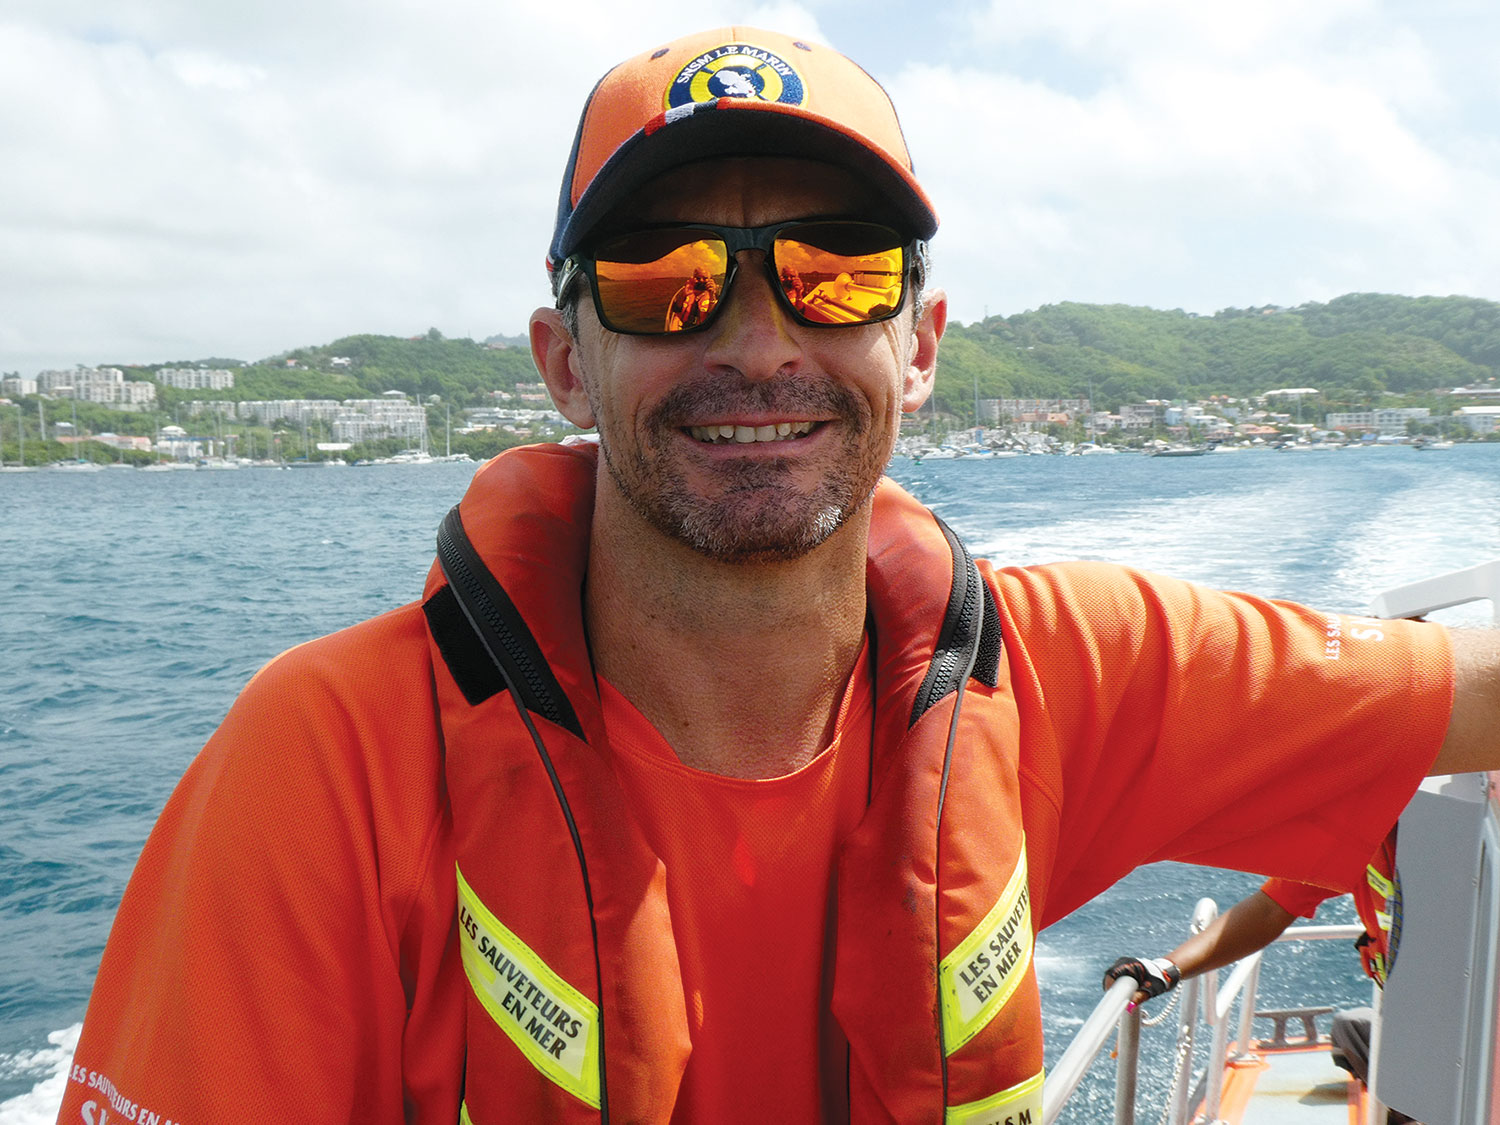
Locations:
576 1010
1378 900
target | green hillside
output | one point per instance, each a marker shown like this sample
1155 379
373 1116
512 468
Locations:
1355 349
460 371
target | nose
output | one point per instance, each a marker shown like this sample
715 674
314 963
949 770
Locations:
753 333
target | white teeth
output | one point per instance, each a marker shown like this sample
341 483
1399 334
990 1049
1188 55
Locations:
746 435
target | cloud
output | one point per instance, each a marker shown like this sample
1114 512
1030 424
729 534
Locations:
189 179
1183 149
240 179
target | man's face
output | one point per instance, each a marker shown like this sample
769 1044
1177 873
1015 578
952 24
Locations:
756 438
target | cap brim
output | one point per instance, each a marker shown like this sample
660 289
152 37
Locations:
750 129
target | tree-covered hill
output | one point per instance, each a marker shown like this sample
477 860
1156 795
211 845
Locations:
366 366
1353 349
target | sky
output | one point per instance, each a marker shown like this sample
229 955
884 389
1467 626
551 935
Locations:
182 180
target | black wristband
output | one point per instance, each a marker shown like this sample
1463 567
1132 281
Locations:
1154 976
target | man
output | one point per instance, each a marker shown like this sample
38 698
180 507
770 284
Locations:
705 785
694 302
1260 918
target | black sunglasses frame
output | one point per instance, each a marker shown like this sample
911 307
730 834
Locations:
735 240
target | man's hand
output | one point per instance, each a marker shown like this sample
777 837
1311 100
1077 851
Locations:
1154 977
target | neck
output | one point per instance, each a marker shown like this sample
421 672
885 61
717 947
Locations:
741 667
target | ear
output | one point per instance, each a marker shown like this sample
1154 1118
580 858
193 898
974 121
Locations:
922 367
555 353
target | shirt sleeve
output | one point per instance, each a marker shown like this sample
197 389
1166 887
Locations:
1162 720
1301 899
264 963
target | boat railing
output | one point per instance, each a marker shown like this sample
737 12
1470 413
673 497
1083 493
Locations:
1206 1005
1444 591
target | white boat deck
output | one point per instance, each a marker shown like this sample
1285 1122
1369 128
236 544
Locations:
1290 1087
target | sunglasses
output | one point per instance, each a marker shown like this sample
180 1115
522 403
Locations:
660 281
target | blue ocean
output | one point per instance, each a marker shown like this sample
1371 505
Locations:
136 605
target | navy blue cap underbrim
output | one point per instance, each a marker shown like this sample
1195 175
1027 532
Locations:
712 131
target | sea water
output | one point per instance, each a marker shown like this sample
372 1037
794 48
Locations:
137 604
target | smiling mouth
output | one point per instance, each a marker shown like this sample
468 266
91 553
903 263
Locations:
746 435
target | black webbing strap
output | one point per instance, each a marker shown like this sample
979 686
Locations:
482 636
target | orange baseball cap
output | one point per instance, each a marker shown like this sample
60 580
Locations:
735 91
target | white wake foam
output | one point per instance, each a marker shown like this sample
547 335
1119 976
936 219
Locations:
39 1105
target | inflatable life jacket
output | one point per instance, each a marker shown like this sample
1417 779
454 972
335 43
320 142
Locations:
575 1007
1378 900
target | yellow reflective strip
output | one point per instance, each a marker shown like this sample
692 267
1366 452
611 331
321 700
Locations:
555 1026
1383 920
1379 883
463 1114
982 972
1020 1105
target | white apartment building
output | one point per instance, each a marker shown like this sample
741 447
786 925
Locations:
97 384
1480 419
366 418
1138 415
1015 406
1190 415
1391 421
500 417
294 410
196 378
14 386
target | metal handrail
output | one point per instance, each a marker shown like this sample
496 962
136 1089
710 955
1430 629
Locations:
1206 1003
1085 1047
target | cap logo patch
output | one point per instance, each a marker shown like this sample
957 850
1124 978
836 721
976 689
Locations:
736 70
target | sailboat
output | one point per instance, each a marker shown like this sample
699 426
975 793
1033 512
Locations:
77 464
21 466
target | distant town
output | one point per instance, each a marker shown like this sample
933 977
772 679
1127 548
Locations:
289 430
1362 369
1273 420
224 432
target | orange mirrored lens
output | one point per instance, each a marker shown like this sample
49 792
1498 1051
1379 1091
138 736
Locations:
655 282
660 281
841 273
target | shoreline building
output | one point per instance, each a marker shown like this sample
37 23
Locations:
98 384
1390 422
349 420
1480 419
196 378
364 419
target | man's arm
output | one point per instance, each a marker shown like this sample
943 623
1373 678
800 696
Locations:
1250 924
1473 739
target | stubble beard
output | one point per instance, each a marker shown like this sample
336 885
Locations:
754 510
